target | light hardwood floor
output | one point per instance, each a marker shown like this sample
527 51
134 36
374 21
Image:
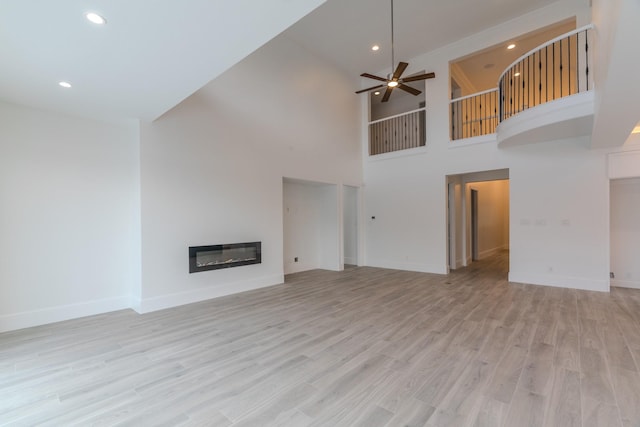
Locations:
364 347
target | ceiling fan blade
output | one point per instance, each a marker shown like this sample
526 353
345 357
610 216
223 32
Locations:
409 89
371 76
387 94
419 77
399 70
368 89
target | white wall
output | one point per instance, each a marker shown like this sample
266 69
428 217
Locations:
400 102
350 221
559 190
69 216
625 232
212 168
310 226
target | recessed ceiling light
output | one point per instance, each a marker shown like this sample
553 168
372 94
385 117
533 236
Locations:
65 85
375 47
376 93
511 46
517 74
95 18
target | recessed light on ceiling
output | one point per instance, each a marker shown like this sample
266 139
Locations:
65 85
511 46
95 18
375 47
376 93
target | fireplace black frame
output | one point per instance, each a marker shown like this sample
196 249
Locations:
193 252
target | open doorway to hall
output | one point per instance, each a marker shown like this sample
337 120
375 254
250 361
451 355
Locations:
478 218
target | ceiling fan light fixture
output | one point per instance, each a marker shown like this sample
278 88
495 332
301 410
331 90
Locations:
394 79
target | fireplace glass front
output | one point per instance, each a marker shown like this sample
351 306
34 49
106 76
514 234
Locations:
212 257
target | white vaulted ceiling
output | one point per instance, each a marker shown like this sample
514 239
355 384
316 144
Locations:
153 54
344 30
147 58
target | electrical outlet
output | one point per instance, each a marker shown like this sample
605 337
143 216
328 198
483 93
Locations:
295 259
611 275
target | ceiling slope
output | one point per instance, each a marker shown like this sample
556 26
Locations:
145 60
343 31
617 88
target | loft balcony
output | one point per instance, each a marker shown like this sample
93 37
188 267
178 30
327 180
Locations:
545 95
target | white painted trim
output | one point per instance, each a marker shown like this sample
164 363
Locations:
135 303
624 164
633 284
587 284
473 95
399 153
550 115
409 266
461 78
350 261
488 252
27 319
161 302
474 140
297 267
398 115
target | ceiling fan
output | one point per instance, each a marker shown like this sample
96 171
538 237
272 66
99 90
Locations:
395 80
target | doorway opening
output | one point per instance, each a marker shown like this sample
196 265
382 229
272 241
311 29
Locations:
310 226
477 217
624 232
350 226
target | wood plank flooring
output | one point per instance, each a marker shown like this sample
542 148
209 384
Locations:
364 347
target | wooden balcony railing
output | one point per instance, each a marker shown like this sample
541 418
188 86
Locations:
396 133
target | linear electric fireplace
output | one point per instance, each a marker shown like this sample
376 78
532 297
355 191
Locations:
213 257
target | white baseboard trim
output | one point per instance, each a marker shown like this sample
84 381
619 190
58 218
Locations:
560 281
135 303
27 319
489 252
161 302
298 267
633 284
409 266
351 260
